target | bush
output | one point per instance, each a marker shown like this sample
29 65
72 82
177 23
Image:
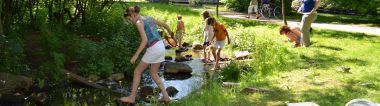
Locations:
231 72
195 2
364 7
12 54
53 68
237 5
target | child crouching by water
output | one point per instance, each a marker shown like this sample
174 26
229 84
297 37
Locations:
293 33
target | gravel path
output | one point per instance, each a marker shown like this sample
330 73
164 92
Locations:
338 27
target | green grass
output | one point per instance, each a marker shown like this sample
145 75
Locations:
291 74
342 19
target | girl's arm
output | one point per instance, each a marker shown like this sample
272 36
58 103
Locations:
204 28
162 24
144 41
205 35
178 26
300 9
228 37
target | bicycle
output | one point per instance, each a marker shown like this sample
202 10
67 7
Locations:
269 10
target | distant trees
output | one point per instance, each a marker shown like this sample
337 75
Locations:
363 7
32 12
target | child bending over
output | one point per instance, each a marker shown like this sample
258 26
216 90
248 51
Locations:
293 33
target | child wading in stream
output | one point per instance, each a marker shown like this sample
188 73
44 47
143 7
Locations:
155 51
220 33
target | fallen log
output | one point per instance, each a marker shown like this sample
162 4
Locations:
82 80
87 82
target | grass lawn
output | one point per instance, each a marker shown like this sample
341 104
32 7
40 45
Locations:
290 74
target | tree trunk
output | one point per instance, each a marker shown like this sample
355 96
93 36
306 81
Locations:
217 8
283 12
1 21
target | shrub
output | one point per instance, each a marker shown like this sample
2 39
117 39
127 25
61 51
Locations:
231 72
11 54
237 5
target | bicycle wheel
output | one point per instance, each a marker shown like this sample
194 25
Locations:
277 12
265 12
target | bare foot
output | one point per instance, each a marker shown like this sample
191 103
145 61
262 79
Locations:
127 100
165 100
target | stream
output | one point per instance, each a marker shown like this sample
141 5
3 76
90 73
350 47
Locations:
80 95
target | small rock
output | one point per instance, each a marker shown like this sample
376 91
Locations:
241 54
171 91
180 59
188 56
178 52
344 69
254 90
230 84
225 59
116 77
93 78
168 47
168 58
303 104
197 47
10 83
361 102
185 44
368 85
146 91
173 68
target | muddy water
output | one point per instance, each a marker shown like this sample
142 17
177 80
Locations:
74 96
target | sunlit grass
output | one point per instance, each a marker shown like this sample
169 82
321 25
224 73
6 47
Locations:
291 74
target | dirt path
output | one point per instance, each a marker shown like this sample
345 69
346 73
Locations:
337 27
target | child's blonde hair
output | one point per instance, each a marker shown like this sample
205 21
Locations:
179 17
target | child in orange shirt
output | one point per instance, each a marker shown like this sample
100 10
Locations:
220 33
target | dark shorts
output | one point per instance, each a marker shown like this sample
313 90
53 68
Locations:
206 43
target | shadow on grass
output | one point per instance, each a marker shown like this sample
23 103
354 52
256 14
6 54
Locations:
347 35
323 61
329 47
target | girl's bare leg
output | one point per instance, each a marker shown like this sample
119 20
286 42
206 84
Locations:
153 73
218 58
136 81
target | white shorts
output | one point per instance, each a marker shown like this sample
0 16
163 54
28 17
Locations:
155 53
252 7
219 44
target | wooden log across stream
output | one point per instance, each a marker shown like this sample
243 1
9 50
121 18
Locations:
82 80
